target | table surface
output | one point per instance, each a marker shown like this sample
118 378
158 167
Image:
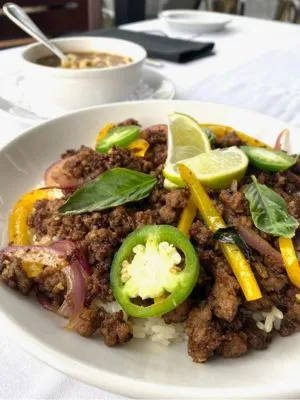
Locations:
255 66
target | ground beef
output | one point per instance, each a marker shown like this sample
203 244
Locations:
291 320
294 207
121 221
53 284
257 339
114 329
87 163
200 234
274 282
204 333
156 135
146 217
177 198
230 139
13 275
234 344
225 297
180 313
235 201
129 121
86 322
218 317
98 285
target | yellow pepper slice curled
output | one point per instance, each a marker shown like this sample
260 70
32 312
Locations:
139 147
187 217
104 131
214 221
222 130
290 260
18 229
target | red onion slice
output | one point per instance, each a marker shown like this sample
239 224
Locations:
55 176
69 248
282 141
64 246
56 256
75 295
259 244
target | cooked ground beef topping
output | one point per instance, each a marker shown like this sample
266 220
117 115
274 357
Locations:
218 319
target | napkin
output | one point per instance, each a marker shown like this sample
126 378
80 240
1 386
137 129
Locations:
177 50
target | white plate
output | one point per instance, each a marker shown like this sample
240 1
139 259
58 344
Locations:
154 85
140 368
195 22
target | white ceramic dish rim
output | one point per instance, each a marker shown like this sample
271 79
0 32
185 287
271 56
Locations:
212 17
108 380
86 72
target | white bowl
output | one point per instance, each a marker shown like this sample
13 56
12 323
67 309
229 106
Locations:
193 22
71 89
140 368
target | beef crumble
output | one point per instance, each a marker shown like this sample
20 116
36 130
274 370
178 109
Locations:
217 316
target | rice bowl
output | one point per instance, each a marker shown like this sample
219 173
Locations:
170 350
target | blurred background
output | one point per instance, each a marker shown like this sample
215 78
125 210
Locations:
60 17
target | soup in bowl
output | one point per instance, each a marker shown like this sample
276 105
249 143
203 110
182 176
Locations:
84 82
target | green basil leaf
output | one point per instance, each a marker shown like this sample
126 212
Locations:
111 189
211 137
269 211
231 235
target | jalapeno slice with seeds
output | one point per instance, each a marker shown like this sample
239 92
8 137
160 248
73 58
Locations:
268 159
154 271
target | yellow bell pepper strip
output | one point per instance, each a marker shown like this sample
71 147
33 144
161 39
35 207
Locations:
187 217
104 131
214 221
18 230
139 147
290 260
222 130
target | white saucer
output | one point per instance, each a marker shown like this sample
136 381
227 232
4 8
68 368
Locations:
194 22
153 85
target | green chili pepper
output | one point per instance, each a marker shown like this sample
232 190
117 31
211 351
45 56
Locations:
268 159
121 136
156 263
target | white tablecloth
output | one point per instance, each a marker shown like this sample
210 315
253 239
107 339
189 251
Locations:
256 66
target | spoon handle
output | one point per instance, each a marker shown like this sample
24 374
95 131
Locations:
20 18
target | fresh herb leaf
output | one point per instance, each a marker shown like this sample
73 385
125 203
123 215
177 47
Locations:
111 189
211 137
269 211
231 235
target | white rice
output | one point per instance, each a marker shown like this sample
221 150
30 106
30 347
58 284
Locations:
157 330
154 328
267 320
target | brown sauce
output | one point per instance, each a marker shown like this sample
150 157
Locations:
85 60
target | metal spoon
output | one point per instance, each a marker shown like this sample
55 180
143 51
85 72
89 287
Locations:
20 18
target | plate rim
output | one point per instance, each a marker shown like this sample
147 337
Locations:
111 381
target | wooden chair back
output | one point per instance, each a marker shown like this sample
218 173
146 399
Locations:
55 17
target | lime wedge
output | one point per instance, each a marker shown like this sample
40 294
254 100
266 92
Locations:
169 185
186 139
218 168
